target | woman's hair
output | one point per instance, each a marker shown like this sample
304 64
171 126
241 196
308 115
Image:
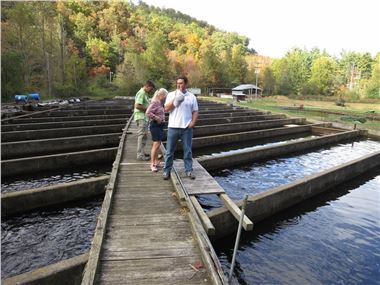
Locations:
160 91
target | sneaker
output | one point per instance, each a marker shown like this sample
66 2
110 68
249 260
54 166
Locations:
190 175
153 168
166 175
143 158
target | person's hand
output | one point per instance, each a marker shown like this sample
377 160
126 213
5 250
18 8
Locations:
159 121
191 125
178 99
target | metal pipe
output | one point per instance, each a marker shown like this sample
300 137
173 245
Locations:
237 238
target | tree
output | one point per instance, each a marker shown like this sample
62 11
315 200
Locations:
210 66
373 88
298 69
323 73
238 65
156 59
269 81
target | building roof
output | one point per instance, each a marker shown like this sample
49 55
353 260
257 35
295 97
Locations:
245 87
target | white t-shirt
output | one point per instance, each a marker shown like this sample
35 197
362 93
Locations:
180 117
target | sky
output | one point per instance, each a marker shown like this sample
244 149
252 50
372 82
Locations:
276 26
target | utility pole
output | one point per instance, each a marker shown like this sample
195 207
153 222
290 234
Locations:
257 71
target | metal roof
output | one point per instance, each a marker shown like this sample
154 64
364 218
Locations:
245 87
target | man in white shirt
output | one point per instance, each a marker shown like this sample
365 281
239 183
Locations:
183 114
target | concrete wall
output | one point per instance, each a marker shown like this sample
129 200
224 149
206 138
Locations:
273 201
210 130
239 158
22 201
40 164
54 125
62 132
246 118
209 141
62 119
65 272
58 145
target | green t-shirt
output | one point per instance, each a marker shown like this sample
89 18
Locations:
141 98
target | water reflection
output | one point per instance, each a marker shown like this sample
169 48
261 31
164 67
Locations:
40 238
333 238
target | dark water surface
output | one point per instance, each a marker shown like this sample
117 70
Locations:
43 237
333 238
44 179
261 176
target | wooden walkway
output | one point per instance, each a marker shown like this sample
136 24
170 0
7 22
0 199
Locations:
205 184
149 238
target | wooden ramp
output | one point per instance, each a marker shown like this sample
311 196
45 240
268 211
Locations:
145 237
205 184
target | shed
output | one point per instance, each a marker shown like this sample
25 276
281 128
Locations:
242 91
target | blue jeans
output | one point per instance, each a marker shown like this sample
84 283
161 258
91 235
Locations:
186 136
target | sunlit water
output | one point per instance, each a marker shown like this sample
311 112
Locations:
333 238
251 145
19 183
40 238
261 176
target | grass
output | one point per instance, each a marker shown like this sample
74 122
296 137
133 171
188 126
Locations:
311 109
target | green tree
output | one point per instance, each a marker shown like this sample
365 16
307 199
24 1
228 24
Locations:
298 69
210 66
12 82
373 88
238 65
269 81
323 73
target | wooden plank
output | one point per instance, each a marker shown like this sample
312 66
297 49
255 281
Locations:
207 225
167 271
204 182
236 212
149 253
154 219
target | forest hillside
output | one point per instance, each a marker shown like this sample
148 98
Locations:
94 48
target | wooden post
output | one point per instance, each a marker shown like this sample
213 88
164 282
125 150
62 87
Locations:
207 225
236 212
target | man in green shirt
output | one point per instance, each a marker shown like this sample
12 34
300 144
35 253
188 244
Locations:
141 119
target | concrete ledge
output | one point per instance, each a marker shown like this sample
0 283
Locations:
20 149
59 133
71 118
22 201
68 271
271 202
209 130
208 141
56 161
246 118
239 158
57 125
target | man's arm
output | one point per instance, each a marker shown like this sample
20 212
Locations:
140 107
194 118
169 103
169 106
